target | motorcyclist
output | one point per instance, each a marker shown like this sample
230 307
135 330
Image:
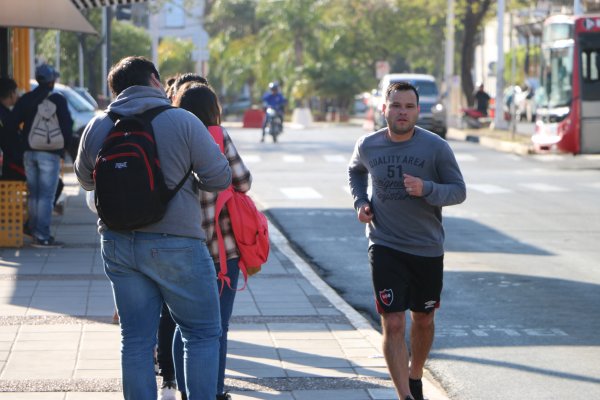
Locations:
275 100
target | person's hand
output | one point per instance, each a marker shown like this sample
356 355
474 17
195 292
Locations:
413 185
365 215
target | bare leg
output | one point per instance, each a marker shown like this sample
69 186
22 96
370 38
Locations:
421 338
395 350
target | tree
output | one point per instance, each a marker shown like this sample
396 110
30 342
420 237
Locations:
174 56
126 39
473 14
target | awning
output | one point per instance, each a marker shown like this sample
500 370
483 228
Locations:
54 14
84 4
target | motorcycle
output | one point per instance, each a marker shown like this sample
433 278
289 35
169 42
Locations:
274 124
473 119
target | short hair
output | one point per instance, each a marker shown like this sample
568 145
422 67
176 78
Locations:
185 78
201 100
7 87
400 86
131 71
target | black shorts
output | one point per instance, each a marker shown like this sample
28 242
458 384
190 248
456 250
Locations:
403 281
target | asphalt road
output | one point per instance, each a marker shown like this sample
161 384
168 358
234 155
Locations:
518 317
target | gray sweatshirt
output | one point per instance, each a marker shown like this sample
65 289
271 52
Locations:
406 223
182 141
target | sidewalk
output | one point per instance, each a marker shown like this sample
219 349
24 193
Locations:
291 336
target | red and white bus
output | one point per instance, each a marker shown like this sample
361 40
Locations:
568 102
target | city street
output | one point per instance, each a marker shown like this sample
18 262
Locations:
518 317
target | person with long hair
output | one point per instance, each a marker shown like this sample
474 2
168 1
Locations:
201 100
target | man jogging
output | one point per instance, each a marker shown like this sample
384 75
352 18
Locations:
414 174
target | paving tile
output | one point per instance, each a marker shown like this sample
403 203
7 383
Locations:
349 394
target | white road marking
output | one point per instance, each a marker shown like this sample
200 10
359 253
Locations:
464 157
291 158
251 158
301 193
542 187
488 189
335 158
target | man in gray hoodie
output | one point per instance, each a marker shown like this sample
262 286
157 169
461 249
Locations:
168 260
414 174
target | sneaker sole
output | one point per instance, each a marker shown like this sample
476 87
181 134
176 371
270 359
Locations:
47 246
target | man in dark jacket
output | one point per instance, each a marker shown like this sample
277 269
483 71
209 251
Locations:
42 167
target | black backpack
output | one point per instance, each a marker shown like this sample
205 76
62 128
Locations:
130 187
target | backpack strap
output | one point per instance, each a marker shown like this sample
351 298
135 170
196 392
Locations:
148 116
222 199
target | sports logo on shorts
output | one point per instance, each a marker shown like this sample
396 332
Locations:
386 296
430 304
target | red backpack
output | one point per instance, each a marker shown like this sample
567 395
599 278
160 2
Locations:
250 227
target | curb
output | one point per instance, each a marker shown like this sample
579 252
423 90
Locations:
434 389
484 138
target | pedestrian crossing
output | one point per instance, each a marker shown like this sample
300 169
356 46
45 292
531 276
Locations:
299 192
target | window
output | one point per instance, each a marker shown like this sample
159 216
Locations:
590 65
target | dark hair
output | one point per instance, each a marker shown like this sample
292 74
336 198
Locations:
169 84
131 71
7 87
400 86
201 100
185 78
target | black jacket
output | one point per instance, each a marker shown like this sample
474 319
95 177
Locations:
25 109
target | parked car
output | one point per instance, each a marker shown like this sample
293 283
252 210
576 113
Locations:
238 106
83 92
433 114
81 111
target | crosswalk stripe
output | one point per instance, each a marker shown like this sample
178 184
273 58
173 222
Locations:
464 157
335 158
291 158
487 188
251 158
301 193
542 187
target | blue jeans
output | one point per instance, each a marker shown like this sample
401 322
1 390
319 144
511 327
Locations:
42 172
226 300
146 269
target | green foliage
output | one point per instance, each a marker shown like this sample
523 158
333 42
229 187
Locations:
129 40
126 40
330 46
175 56
520 72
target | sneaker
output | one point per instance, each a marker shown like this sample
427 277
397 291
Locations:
224 396
416 388
47 243
59 209
168 391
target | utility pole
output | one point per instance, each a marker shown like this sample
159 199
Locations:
104 53
449 60
577 8
499 122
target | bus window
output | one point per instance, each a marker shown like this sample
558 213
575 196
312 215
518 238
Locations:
590 64
560 76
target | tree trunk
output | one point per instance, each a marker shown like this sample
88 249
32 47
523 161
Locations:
474 13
